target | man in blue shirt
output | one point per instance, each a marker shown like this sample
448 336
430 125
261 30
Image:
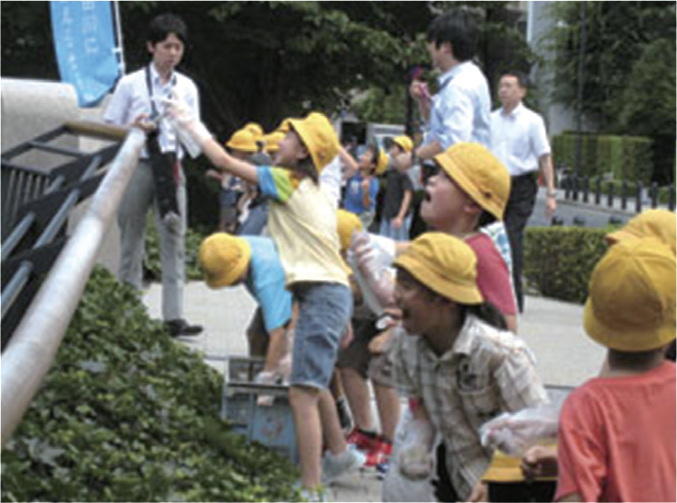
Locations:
461 110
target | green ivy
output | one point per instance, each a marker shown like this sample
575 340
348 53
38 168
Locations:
127 414
558 261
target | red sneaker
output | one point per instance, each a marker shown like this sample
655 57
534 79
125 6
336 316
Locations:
380 454
362 440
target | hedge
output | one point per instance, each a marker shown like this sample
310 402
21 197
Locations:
558 261
128 414
629 157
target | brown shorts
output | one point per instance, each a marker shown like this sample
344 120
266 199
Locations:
257 335
378 368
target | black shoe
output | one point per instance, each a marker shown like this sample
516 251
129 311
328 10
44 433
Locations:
180 327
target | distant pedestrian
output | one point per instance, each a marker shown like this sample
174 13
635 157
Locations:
519 140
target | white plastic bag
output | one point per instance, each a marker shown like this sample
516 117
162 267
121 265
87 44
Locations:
370 257
514 433
396 485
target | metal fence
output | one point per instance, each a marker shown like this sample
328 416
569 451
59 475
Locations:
51 267
632 196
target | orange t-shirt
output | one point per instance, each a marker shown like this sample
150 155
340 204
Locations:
617 438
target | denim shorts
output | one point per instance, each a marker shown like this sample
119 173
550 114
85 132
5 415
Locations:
324 313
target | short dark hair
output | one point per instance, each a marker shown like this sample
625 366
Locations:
163 25
460 29
521 77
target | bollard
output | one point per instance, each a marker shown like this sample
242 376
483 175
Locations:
615 220
638 200
598 190
575 188
586 188
610 195
624 194
654 195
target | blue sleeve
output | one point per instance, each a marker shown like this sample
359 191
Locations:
276 183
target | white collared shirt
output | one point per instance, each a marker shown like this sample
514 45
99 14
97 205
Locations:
518 139
131 99
461 110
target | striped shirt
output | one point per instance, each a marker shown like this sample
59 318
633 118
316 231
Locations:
485 373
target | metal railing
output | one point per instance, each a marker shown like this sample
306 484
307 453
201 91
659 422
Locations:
34 344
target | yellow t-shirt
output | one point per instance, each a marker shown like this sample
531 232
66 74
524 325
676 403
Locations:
302 222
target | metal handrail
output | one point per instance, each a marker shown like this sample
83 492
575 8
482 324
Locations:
32 349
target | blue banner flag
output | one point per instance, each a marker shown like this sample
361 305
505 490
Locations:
84 39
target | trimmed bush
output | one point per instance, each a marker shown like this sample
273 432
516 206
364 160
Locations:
128 414
558 261
629 157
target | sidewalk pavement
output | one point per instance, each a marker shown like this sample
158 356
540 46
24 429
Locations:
552 329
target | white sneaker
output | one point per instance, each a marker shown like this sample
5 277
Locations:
313 495
335 465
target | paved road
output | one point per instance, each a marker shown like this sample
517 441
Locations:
552 329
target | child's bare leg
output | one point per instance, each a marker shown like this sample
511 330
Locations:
305 408
331 426
357 392
388 403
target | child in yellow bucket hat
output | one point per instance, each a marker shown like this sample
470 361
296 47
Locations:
453 356
469 192
302 223
396 212
362 187
229 261
466 198
617 431
241 145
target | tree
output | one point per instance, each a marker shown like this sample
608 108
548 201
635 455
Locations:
629 70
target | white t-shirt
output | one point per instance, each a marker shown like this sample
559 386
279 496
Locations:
330 180
518 139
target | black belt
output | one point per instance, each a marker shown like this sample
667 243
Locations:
531 175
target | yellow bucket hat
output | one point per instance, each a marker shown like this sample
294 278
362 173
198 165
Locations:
255 129
404 142
272 141
243 140
631 305
382 162
319 137
479 174
445 264
224 259
659 224
284 125
346 224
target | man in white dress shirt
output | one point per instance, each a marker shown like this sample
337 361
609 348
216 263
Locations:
519 140
132 104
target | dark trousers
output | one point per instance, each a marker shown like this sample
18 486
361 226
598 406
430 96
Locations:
520 207
444 489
